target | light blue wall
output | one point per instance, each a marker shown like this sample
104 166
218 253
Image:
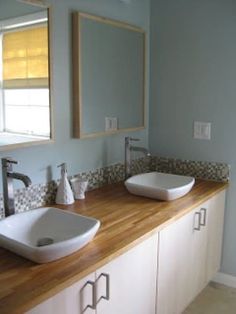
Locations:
39 162
12 8
193 77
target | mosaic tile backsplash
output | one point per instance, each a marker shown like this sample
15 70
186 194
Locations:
213 171
42 194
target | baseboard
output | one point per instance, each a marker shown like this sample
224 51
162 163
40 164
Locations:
225 279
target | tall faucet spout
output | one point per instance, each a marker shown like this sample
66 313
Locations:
128 149
7 176
19 176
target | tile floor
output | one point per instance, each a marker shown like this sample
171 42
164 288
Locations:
214 299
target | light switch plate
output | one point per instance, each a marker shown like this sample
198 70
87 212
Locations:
202 130
110 123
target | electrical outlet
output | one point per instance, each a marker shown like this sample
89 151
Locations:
202 130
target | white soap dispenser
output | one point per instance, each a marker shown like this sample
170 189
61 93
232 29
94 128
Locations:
64 193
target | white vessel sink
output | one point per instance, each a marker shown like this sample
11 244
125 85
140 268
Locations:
160 186
46 234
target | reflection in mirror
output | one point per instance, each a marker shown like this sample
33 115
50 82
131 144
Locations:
24 75
109 76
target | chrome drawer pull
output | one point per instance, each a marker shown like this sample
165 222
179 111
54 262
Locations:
94 295
107 296
199 221
204 211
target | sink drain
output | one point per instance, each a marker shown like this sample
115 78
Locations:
44 241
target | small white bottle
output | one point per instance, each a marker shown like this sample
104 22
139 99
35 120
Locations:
64 193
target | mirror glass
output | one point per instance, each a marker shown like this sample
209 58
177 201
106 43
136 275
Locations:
24 74
109 76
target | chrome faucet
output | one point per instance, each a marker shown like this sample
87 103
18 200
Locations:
7 178
128 149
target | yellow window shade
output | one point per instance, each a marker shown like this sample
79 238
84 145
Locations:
25 58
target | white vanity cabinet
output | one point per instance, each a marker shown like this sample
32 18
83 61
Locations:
160 275
189 255
125 285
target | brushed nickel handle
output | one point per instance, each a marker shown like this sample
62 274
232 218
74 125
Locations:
11 161
8 161
199 221
94 295
107 296
134 139
204 211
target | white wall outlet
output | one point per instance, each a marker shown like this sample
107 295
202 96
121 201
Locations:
202 130
110 123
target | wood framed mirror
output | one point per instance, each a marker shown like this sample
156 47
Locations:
25 76
108 76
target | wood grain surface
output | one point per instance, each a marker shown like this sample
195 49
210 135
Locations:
126 220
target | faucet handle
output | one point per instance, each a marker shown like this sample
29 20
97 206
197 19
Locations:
134 139
128 139
8 160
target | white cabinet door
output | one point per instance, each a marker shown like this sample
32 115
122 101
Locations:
199 250
207 243
132 278
72 300
174 266
189 255
215 234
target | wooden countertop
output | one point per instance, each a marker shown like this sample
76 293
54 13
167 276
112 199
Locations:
125 221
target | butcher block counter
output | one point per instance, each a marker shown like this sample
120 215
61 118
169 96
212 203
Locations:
126 220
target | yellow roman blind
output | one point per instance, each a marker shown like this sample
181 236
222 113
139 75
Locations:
25 58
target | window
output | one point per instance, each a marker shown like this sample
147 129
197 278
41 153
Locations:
24 78
27 111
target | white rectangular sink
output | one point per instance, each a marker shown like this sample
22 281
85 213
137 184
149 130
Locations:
46 234
162 186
